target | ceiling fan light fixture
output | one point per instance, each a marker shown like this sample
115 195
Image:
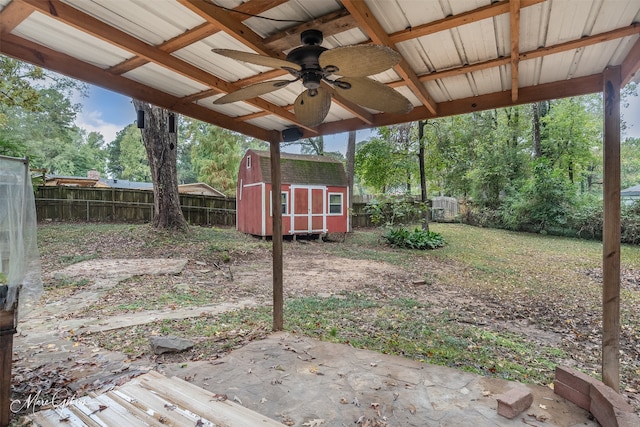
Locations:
312 63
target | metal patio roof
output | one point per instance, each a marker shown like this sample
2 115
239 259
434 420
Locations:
458 56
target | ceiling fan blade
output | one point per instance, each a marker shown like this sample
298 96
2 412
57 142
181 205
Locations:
254 58
312 110
252 91
360 61
372 94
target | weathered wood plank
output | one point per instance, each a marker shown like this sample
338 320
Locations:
205 403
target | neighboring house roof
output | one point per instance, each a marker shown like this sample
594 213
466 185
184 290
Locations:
631 191
69 181
304 169
199 188
126 184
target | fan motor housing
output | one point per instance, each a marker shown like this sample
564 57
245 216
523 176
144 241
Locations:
306 56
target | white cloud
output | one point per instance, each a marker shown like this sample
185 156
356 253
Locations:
91 121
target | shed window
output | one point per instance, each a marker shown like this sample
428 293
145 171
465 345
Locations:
284 203
335 203
248 162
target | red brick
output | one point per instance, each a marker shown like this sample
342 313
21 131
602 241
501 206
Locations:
514 401
575 379
580 399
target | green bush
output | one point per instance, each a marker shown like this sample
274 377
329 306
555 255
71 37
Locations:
630 224
394 210
416 239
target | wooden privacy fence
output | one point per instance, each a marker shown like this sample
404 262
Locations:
124 205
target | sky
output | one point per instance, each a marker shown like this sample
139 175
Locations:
108 112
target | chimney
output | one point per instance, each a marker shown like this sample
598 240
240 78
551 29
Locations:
93 174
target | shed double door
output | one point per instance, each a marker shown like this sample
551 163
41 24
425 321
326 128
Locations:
308 214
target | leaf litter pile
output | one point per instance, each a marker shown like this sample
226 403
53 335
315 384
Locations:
497 303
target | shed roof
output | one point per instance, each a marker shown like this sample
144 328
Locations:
631 191
304 169
457 56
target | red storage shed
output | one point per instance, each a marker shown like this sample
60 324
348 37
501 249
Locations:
314 190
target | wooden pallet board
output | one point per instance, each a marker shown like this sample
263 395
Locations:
153 400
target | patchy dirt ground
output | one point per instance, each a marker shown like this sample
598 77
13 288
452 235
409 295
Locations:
96 285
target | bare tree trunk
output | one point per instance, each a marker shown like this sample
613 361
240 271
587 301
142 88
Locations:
161 147
423 177
351 160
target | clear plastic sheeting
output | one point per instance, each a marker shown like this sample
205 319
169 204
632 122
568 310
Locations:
20 278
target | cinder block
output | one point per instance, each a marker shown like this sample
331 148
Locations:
575 379
572 395
514 401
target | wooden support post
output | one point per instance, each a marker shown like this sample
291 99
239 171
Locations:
611 231
7 329
276 239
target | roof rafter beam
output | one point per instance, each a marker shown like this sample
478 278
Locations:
90 25
12 15
449 22
330 24
631 63
631 30
554 90
514 19
44 57
374 30
233 27
195 34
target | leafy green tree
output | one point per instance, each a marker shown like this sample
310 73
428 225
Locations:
630 162
216 153
29 94
574 126
389 161
545 200
127 156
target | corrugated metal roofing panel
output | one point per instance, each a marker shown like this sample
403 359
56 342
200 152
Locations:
294 10
345 38
237 109
270 122
65 39
154 25
457 87
556 67
336 113
614 14
161 78
473 49
200 55
623 49
533 27
488 81
566 21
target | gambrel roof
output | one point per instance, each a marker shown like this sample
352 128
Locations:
304 169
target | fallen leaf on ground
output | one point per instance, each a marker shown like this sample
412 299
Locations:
314 423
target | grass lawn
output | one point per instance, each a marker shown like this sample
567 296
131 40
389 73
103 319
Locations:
499 303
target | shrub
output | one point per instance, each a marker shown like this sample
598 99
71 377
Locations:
630 224
416 239
394 210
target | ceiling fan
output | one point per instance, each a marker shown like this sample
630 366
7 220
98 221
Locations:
313 64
